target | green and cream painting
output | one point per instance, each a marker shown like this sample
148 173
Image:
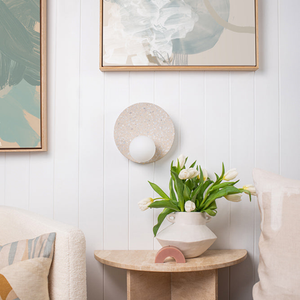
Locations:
20 76
179 33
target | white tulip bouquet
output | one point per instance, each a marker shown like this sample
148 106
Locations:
191 190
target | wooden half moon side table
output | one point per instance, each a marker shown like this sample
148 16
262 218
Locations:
146 280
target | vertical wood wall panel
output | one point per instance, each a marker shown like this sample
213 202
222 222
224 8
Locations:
116 206
115 165
267 120
140 223
193 117
243 119
217 145
67 112
289 88
217 151
242 158
91 142
267 85
42 164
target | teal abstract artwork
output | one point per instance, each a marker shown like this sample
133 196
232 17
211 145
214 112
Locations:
20 74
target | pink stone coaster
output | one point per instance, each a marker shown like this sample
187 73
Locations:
169 251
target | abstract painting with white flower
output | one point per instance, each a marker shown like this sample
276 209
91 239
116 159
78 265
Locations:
143 33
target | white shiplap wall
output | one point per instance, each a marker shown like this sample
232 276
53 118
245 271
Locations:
245 119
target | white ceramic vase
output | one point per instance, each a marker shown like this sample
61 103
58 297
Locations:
188 232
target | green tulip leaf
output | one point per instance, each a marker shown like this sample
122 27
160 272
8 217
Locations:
196 181
200 195
179 190
158 190
193 164
185 160
186 193
174 202
223 170
247 192
164 204
205 185
217 177
174 168
190 184
229 190
208 194
196 192
223 185
172 165
172 192
212 213
213 206
193 183
201 175
178 167
161 218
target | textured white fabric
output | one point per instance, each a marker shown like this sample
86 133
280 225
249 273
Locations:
279 244
67 278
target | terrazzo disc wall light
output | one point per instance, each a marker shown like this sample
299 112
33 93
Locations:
144 133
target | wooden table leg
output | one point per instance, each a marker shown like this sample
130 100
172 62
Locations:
195 285
172 286
148 285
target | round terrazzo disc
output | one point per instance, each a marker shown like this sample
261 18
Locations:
145 119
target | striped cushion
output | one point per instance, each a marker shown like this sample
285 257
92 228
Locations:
24 268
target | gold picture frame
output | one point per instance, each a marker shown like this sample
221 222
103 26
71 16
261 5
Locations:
111 68
42 145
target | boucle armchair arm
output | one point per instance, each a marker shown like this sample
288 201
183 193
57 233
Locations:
67 278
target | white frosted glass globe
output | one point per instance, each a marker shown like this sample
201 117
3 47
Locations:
142 149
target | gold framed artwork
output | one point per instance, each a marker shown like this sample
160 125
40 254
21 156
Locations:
23 83
155 35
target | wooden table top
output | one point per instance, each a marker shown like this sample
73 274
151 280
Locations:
143 260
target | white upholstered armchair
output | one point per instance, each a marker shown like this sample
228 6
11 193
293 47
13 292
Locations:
67 278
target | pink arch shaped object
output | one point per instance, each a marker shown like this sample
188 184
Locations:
169 251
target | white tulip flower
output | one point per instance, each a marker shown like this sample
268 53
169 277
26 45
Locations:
144 204
234 197
181 158
250 188
230 175
189 206
184 174
193 173
188 173
205 175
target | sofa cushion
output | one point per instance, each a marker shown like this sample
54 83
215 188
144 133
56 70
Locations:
279 244
24 268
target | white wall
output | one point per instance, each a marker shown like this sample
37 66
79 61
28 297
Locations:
245 119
